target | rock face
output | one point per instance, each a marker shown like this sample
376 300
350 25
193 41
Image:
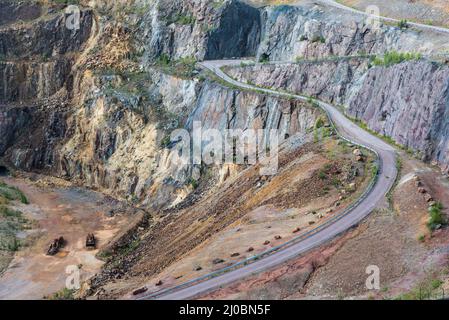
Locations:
10 12
113 142
36 58
408 102
309 31
46 37
200 29
237 33
24 81
11 120
226 29
330 79
63 114
109 130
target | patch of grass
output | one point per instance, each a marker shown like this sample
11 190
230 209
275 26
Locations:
264 58
104 255
391 191
322 175
436 283
428 289
182 19
165 142
394 57
12 193
403 24
374 170
194 183
13 245
320 39
319 123
11 221
164 60
133 245
6 212
67 2
437 217
63 294
385 138
183 68
336 182
8 240
217 4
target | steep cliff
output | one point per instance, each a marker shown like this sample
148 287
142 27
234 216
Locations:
200 29
101 116
313 31
115 140
408 102
36 56
96 105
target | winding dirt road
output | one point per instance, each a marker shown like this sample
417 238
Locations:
347 129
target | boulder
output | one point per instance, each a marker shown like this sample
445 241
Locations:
140 291
217 261
428 198
422 190
297 230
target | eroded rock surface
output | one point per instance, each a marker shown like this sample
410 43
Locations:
407 102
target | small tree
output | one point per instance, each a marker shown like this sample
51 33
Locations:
264 58
403 24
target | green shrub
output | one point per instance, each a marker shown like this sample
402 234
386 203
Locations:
64 294
6 212
185 20
264 58
165 142
437 217
319 123
394 57
403 24
320 39
322 175
67 2
12 193
194 183
13 245
436 283
164 60
374 170
183 67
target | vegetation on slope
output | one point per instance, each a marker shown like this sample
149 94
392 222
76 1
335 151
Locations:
394 57
11 223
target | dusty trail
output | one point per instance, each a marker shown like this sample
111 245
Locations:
68 212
